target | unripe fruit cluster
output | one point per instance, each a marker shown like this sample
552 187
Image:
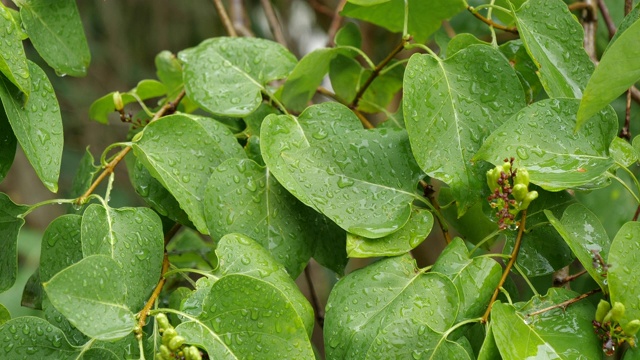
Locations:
509 199
173 345
608 328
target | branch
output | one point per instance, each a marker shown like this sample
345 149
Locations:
566 303
611 27
429 193
108 169
558 281
225 18
490 22
335 24
239 15
507 269
323 91
274 23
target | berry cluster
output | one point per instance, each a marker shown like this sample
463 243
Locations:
173 345
509 199
608 328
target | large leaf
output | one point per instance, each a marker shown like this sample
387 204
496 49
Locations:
181 152
618 69
253 310
362 180
37 124
623 276
475 278
561 333
133 238
91 294
11 222
586 237
392 310
451 106
13 61
424 16
400 242
244 197
8 145
61 245
554 39
541 138
227 76
55 30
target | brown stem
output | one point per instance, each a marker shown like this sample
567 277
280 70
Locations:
328 93
507 269
154 295
108 169
589 23
490 22
315 300
579 5
335 24
239 16
431 196
606 16
566 303
557 282
274 23
635 216
226 22
625 133
376 72
321 8
628 5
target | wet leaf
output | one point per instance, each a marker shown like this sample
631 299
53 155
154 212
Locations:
623 277
188 250
227 76
489 349
133 238
555 334
91 294
475 278
525 68
623 153
181 151
554 39
37 124
400 242
391 309
61 246
451 106
4 315
244 197
84 175
462 41
586 237
55 30
8 144
30 337
11 222
541 138
146 89
13 62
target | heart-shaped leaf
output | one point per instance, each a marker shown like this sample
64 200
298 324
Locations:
61 246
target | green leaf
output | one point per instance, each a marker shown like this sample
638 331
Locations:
489 349
91 294
475 278
53 316
554 39
365 184
244 197
55 30
181 151
462 41
133 238
11 222
623 153
146 89
33 293
561 333
391 309
37 124
586 237
424 17
84 175
400 242
34 338
617 70
540 138
4 315
623 277
349 35
169 71
61 245
227 76
8 144
451 106
525 68
632 354
13 61
188 250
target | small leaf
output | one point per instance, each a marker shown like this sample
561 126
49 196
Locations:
37 124
560 333
617 70
33 293
188 250
489 349
540 139
55 30
525 68
349 35
61 246
227 76
623 153
91 294
146 89
4 315
475 278
554 39
8 144
133 238
84 175
181 152
451 106
462 41
30 337
623 277
13 61
11 222
169 71
586 237
400 242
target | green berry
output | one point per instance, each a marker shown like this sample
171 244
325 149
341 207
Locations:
176 343
522 177
617 311
117 101
531 195
519 192
492 177
192 353
602 310
165 352
632 327
168 335
163 321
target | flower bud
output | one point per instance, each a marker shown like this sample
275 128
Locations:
522 177
506 167
617 311
519 192
176 342
492 177
602 310
632 327
165 352
163 322
531 195
168 335
117 101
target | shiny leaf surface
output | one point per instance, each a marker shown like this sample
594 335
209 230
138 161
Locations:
13 61
11 222
623 278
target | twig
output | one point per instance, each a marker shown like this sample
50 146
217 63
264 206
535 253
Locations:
491 22
321 8
606 16
240 23
376 72
507 269
315 301
363 120
635 216
628 5
625 132
589 22
430 195
328 93
108 169
565 303
560 276
154 295
579 5
557 282
274 23
335 24
226 22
